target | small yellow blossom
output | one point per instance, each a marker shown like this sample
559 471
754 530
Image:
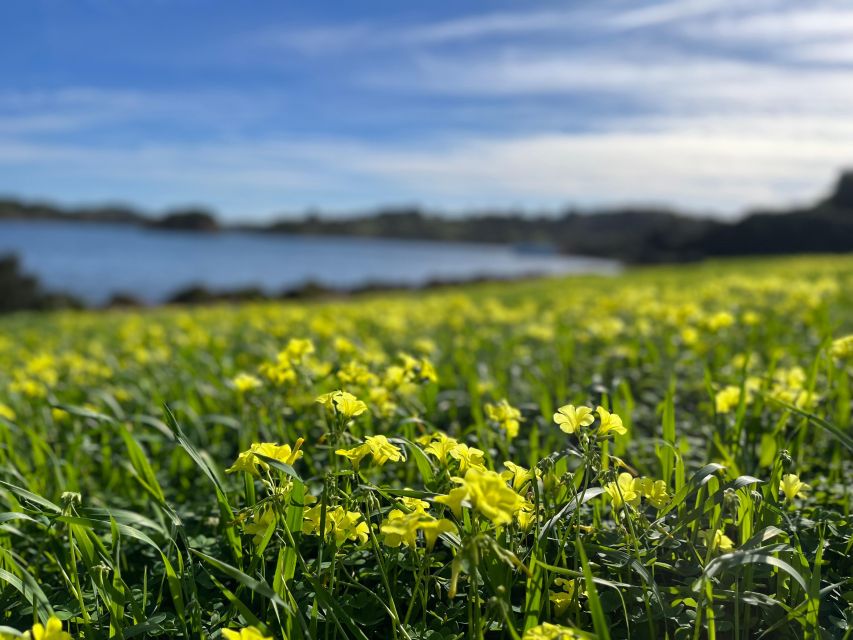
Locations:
548 631
296 350
468 457
570 418
842 348
379 447
654 491
487 492
402 528
507 417
440 446
727 399
610 422
717 540
51 631
342 524
720 320
562 598
6 412
248 462
246 633
259 525
623 491
517 475
343 403
792 487
244 382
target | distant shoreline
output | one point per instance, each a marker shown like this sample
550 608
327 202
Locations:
630 235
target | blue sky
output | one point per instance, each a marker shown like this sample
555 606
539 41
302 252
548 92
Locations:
259 108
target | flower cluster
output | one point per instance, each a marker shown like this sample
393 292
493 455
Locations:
249 462
627 489
487 493
378 447
402 527
572 419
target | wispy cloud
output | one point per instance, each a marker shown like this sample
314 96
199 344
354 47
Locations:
705 104
720 166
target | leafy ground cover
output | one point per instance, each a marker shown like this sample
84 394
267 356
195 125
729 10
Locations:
663 454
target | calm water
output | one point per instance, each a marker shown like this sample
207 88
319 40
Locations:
95 261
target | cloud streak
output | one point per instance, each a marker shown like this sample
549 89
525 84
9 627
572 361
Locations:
703 104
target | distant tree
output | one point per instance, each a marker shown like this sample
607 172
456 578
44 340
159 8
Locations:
187 220
18 291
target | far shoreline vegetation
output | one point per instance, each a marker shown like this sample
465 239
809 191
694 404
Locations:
632 235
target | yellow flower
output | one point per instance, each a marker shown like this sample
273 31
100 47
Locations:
727 399
259 525
526 515
570 418
468 457
486 492
720 320
507 417
654 491
419 368
279 373
402 528
610 422
248 462
342 402
342 524
717 540
327 400
53 631
6 412
246 633
690 336
415 504
548 631
380 398
343 346
348 405
792 487
441 446
245 462
296 350
356 373
563 598
244 382
623 491
454 499
382 450
379 447
348 525
355 455
518 475
842 348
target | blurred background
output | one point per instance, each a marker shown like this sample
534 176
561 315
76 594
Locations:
189 150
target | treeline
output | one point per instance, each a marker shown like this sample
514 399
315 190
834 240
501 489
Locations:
630 235
19 290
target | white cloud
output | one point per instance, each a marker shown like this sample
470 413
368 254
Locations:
722 105
708 165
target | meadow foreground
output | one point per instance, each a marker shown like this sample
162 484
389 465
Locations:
663 454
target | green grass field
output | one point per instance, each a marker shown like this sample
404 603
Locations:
663 454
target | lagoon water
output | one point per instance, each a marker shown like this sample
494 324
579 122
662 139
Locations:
95 261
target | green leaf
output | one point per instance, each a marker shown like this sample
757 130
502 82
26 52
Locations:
599 621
